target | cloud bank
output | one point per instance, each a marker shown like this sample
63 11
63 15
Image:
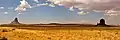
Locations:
110 7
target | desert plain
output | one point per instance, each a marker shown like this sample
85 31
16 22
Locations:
78 33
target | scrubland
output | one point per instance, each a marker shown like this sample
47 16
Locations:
61 34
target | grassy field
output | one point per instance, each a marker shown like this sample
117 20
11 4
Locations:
56 33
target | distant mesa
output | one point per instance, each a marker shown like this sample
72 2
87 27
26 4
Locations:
54 23
15 21
102 22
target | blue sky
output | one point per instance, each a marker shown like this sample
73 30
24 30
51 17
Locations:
45 14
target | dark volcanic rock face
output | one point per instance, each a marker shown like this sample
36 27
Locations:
15 21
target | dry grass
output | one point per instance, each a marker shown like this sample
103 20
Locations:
88 34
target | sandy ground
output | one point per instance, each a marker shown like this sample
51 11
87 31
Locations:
24 34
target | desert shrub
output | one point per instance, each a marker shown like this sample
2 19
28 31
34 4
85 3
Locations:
3 38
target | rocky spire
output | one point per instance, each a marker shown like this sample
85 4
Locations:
15 21
102 22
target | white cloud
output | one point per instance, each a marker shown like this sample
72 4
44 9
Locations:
43 4
23 6
37 1
5 12
82 13
19 13
1 7
71 8
52 5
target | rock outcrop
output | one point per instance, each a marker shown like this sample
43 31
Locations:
102 22
15 21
